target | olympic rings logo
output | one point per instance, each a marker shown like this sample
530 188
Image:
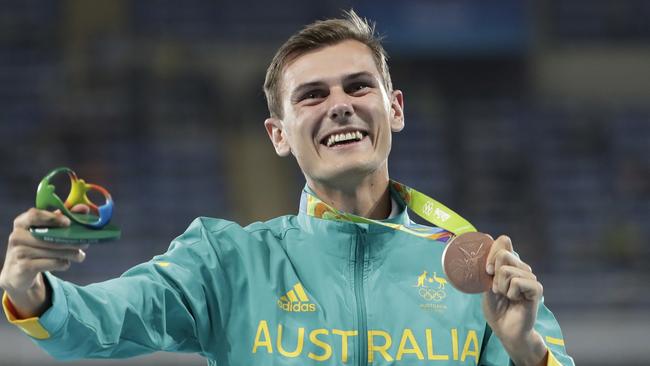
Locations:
431 294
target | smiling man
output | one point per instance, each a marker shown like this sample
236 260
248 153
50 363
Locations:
345 281
336 116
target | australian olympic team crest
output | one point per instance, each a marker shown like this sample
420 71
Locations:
431 288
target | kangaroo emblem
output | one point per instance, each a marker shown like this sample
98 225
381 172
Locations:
421 279
441 281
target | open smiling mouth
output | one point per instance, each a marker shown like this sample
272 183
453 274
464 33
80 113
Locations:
343 138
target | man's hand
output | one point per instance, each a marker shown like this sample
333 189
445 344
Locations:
510 306
27 257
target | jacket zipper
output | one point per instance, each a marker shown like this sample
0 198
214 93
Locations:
359 266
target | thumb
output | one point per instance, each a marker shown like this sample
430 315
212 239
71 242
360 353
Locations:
80 208
502 242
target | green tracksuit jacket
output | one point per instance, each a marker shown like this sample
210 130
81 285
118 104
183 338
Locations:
294 290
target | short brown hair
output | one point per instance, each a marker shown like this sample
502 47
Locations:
320 34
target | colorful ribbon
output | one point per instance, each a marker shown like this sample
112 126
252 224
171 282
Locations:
424 206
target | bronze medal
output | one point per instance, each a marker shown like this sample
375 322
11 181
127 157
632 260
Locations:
464 262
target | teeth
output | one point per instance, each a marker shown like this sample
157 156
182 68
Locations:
356 135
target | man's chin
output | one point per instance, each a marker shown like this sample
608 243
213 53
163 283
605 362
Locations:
348 174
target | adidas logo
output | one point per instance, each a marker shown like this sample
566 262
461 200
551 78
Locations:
296 300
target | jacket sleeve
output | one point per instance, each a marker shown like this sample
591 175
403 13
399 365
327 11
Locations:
164 304
493 353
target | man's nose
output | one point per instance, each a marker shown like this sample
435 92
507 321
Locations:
339 112
341 109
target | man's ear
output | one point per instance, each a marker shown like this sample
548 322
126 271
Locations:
397 111
277 135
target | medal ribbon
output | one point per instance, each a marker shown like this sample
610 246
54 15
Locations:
424 206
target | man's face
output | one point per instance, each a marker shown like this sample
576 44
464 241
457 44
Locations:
338 117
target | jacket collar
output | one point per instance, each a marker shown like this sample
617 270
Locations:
312 207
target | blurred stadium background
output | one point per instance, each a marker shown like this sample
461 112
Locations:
529 117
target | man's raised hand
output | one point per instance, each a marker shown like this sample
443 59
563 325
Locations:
27 257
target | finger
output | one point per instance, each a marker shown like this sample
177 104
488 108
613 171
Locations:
524 289
502 243
80 208
505 274
21 237
506 258
30 253
43 218
48 264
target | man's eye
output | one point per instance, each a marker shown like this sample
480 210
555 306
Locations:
314 94
359 86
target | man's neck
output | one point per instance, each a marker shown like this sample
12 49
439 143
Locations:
369 198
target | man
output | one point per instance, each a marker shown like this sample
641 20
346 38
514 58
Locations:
335 284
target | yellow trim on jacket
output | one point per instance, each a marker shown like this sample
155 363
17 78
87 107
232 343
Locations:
30 326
